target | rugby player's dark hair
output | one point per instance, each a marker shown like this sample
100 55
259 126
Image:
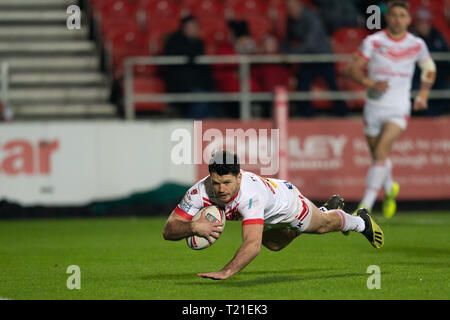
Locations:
224 162
397 3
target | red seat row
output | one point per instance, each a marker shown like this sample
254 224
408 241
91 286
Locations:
138 27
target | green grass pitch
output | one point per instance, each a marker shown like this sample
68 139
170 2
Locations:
127 258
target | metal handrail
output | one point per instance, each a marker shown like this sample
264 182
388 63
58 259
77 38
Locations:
244 96
4 80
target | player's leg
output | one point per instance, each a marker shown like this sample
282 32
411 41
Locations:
391 131
380 172
372 142
338 220
389 183
391 188
335 202
332 220
277 239
373 175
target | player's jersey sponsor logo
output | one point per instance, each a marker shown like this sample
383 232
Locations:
288 185
397 54
186 204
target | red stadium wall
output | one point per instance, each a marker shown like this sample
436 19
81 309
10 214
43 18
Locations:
331 156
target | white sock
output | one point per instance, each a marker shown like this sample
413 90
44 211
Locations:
375 179
351 223
388 181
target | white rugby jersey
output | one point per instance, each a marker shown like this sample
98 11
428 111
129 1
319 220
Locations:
258 201
392 60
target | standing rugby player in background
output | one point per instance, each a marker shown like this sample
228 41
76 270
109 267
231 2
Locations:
390 56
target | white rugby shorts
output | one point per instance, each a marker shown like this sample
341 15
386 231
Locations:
299 219
375 118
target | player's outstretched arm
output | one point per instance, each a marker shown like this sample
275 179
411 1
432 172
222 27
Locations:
355 71
428 77
178 228
251 246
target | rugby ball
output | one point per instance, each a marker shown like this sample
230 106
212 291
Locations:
212 214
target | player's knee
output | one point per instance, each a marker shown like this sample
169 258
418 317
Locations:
327 224
380 154
167 234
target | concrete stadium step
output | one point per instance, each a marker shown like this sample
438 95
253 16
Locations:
47 47
54 63
18 96
57 78
54 72
14 16
33 32
36 3
61 110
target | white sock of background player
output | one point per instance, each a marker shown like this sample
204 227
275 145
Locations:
388 181
375 179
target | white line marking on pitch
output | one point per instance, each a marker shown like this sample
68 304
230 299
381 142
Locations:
2 298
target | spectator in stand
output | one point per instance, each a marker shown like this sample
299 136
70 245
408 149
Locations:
189 78
227 75
6 113
435 41
306 34
269 76
337 14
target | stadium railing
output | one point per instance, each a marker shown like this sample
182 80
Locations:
245 97
4 81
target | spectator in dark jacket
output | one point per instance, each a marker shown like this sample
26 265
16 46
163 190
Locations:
436 43
306 34
189 78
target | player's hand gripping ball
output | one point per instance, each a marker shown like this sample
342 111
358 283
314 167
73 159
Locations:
212 214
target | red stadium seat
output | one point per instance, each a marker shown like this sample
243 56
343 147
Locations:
112 27
117 16
345 84
159 8
98 4
245 8
158 29
146 85
126 45
319 85
118 9
259 26
277 12
206 8
214 31
145 70
348 40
